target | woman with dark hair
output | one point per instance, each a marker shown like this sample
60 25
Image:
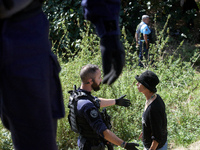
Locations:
154 118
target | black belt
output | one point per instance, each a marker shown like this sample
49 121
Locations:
92 141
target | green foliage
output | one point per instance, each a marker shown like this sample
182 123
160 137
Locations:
64 16
67 22
5 142
179 86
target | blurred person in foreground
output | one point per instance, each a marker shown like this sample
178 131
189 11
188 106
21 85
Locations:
31 99
154 118
104 14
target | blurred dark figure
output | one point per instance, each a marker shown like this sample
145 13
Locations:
31 99
104 14
188 11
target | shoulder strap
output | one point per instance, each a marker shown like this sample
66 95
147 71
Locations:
72 105
80 94
94 100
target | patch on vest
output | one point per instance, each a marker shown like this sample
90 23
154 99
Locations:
93 113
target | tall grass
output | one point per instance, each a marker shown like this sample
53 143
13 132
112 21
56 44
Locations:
179 88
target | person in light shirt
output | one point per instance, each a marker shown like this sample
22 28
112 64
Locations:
142 37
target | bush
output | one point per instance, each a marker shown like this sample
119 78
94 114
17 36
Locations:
66 21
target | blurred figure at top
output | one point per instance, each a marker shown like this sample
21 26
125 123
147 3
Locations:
104 14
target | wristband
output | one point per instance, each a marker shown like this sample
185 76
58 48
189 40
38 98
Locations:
123 144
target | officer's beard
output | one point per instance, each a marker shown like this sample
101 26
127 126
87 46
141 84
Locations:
95 87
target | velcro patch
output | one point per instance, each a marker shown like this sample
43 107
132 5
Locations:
94 113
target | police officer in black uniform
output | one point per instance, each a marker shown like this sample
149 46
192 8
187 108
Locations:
84 115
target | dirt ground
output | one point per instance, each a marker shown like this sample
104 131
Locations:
194 146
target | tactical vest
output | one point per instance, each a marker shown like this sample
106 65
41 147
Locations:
142 37
79 124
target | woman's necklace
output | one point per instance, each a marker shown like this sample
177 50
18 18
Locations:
149 101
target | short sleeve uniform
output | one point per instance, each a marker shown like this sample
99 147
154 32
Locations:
145 29
139 27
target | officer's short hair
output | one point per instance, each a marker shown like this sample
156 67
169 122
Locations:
88 72
145 16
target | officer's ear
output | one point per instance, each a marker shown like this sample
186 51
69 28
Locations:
89 81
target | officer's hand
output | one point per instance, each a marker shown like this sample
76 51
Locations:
123 102
131 146
113 58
